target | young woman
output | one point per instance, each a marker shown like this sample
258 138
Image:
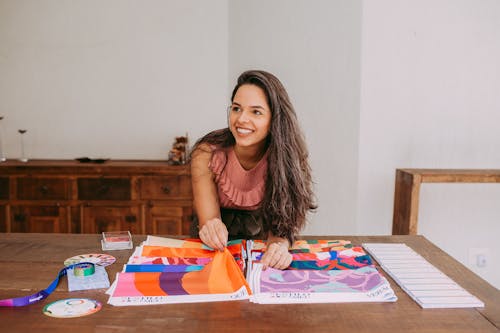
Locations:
252 179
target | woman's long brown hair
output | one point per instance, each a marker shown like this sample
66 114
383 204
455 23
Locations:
288 195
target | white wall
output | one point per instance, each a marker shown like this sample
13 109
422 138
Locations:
115 79
431 98
314 49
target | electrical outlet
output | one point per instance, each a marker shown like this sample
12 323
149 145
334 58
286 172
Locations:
481 260
478 257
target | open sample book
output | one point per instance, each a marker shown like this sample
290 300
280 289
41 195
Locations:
164 270
322 271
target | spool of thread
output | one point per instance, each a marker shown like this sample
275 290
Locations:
84 269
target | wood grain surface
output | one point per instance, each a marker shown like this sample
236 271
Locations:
29 262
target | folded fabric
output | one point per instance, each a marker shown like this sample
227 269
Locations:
161 268
138 260
219 280
162 251
193 243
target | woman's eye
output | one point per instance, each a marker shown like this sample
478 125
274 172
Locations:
257 112
235 109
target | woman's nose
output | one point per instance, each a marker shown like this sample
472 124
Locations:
243 117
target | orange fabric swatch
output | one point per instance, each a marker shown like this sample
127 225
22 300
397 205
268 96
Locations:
221 275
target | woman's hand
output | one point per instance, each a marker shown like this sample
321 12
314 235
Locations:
214 234
277 255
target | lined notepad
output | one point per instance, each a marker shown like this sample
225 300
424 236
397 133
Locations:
423 282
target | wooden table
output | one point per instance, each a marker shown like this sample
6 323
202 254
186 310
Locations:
29 262
407 191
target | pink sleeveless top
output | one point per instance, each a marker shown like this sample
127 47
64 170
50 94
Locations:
238 188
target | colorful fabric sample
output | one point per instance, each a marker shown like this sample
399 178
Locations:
310 245
198 254
219 280
340 263
137 260
182 252
364 284
162 268
340 255
193 243
166 270
162 251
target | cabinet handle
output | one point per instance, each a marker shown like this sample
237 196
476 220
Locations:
130 219
101 225
44 189
103 189
20 217
165 189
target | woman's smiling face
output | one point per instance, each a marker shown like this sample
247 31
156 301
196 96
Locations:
250 116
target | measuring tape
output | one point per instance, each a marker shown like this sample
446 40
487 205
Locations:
84 269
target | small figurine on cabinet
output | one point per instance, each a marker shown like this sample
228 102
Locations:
179 152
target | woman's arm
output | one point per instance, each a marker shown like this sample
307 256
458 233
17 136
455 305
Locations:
206 202
276 255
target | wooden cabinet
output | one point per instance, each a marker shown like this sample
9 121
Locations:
104 188
44 218
42 188
4 188
4 197
170 187
160 191
99 218
3 219
63 196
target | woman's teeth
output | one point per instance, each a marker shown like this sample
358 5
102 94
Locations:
243 130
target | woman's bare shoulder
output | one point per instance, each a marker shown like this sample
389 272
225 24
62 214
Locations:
200 159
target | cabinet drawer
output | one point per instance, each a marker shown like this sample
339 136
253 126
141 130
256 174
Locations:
166 211
97 219
165 220
4 188
29 188
104 188
165 187
43 219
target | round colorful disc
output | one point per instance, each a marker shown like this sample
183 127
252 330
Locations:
72 307
95 258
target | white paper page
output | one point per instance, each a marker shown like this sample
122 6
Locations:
428 286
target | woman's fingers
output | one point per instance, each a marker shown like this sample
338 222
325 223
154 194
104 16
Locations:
269 258
222 236
214 234
276 256
284 261
218 236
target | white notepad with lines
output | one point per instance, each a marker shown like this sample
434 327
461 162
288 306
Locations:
423 282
